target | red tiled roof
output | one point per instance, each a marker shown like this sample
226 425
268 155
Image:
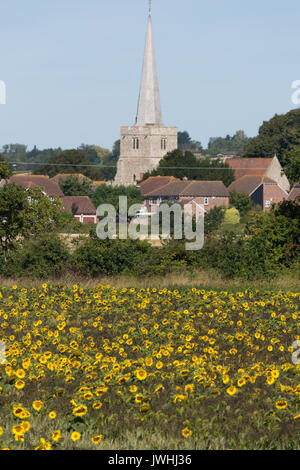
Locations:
79 205
155 182
50 187
248 183
249 166
191 189
205 188
295 192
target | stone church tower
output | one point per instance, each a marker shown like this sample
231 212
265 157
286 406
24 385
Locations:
146 143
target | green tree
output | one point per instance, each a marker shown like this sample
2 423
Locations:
72 186
24 213
185 142
91 152
182 165
291 163
235 144
5 171
214 219
276 136
241 201
110 195
69 161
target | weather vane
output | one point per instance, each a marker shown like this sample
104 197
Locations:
150 6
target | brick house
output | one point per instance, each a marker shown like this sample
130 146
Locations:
208 194
81 207
263 190
268 167
155 182
295 192
48 186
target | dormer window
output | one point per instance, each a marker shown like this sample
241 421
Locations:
164 144
135 143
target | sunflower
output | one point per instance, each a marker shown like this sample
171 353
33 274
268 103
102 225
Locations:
186 432
281 404
97 405
80 410
231 390
56 435
75 435
97 439
20 384
141 374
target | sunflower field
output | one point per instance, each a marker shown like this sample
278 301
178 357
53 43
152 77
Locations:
102 368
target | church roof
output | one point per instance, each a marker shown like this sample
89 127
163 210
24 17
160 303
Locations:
149 109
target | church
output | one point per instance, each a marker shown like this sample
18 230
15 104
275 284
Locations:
144 144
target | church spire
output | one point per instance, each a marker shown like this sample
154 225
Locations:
149 110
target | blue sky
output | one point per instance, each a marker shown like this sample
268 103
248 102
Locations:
72 67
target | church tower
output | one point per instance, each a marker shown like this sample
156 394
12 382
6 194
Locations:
143 145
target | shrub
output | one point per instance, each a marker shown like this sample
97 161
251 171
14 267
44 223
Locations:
231 217
39 258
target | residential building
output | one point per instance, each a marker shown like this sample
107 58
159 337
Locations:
263 190
81 207
269 167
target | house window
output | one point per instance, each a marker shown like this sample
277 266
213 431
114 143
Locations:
206 201
134 178
164 144
135 143
267 204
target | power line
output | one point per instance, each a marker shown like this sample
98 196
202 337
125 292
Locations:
115 166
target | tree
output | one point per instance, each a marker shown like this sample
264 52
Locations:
185 142
182 165
231 216
214 219
241 201
5 171
291 163
110 195
24 213
17 151
234 144
91 152
72 186
276 136
69 161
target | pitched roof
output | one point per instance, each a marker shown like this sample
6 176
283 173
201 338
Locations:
50 187
205 188
248 183
155 182
295 192
249 166
172 189
191 189
79 205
